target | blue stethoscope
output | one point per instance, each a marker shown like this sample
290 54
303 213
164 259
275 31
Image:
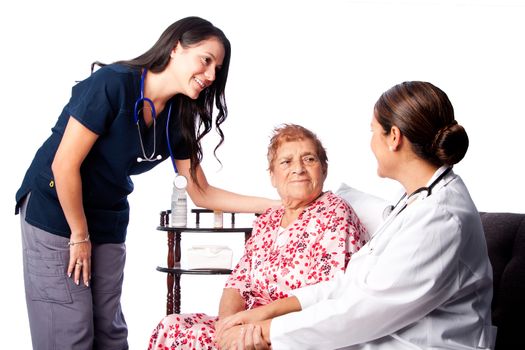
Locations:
144 100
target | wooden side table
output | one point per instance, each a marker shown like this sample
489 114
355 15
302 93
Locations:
173 268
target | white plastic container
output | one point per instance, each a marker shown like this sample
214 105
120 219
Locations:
179 203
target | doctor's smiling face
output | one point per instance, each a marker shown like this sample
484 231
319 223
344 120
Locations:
195 67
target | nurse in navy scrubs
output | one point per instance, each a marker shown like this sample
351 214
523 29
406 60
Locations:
123 120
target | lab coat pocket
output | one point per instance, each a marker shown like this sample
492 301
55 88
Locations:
47 277
362 265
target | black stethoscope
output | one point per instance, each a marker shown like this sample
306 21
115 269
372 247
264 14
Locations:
391 212
417 193
144 100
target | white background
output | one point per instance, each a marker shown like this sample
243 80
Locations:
322 64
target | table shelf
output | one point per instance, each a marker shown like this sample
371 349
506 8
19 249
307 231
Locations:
173 267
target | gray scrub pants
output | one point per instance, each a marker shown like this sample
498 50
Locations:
63 315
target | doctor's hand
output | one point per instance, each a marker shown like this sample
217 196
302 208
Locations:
248 336
240 318
80 261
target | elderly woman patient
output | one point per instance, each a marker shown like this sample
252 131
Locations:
306 240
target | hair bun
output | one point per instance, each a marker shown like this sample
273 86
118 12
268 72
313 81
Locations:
450 144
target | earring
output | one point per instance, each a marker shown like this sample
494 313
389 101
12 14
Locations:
391 149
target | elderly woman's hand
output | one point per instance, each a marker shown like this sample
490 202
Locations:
248 336
240 318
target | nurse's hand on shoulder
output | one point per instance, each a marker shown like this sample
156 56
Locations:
80 262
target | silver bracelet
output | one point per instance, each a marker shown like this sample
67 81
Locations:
85 240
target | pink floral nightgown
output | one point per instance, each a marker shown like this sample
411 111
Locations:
310 250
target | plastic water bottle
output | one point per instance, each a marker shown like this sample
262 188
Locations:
179 203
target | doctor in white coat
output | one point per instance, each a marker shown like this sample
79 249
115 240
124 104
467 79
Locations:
424 280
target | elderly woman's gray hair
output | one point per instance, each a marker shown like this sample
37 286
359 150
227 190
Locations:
293 132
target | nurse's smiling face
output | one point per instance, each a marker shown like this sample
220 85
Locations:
194 68
297 172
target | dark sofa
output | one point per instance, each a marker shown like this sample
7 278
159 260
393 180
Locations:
505 234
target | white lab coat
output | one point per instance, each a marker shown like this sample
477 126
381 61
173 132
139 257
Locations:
423 281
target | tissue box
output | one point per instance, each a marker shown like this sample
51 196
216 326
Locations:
208 257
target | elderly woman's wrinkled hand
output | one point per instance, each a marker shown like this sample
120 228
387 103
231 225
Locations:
231 338
240 318
247 336
226 323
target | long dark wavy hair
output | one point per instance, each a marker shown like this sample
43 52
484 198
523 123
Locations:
196 115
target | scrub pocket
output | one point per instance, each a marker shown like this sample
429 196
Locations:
45 257
47 280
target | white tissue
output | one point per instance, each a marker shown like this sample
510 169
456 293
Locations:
208 257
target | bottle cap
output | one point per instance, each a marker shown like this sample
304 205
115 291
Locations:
180 182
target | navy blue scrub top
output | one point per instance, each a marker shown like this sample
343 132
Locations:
104 103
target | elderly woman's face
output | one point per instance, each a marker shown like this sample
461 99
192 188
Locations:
297 172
